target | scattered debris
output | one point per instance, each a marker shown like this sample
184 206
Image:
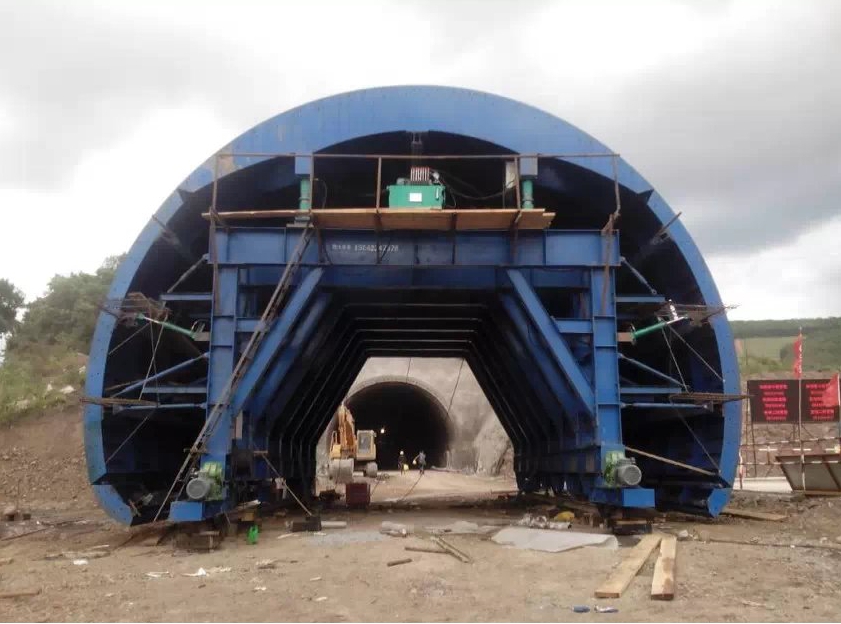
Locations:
564 516
267 564
67 390
320 599
541 522
753 515
599 609
622 576
683 535
581 609
157 575
398 562
333 524
316 578
199 572
80 562
461 527
395 529
285 535
6 561
761 605
546 540
217 570
260 588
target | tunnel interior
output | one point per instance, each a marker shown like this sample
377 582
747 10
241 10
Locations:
406 417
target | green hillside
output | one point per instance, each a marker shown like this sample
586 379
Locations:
767 345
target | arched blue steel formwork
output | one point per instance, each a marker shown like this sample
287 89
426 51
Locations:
570 396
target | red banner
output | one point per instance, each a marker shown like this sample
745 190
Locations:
798 357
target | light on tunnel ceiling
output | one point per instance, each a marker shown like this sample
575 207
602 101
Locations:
382 430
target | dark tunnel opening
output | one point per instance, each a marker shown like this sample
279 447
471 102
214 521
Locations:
406 417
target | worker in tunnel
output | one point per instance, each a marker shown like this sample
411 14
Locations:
420 460
401 461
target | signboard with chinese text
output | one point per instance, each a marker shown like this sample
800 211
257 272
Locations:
775 401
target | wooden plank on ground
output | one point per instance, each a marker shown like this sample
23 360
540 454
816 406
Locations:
623 575
663 583
753 515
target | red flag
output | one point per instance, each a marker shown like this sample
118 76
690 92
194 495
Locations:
798 357
830 395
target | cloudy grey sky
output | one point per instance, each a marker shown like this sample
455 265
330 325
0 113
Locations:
732 110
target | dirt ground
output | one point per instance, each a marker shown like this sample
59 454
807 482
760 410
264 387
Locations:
779 571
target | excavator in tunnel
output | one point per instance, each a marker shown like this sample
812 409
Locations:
351 450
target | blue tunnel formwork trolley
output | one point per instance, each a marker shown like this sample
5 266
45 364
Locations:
423 222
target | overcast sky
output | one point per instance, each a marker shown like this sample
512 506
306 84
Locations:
732 110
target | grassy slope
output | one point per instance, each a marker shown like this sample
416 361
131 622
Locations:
31 379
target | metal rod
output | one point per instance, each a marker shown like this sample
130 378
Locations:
161 374
379 180
665 227
637 274
172 238
160 406
671 462
616 185
188 273
651 370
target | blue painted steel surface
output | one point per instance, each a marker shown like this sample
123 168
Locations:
535 316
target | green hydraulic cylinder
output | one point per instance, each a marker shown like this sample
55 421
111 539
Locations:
528 194
168 325
639 333
305 200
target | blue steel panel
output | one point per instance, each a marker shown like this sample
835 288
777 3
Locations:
218 444
186 511
564 248
289 353
543 322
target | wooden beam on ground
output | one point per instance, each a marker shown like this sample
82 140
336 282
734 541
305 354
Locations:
663 583
753 515
28 593
623 575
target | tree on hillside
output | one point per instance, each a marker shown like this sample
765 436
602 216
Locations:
11 300
67 313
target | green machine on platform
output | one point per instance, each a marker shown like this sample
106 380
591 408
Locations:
422 189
